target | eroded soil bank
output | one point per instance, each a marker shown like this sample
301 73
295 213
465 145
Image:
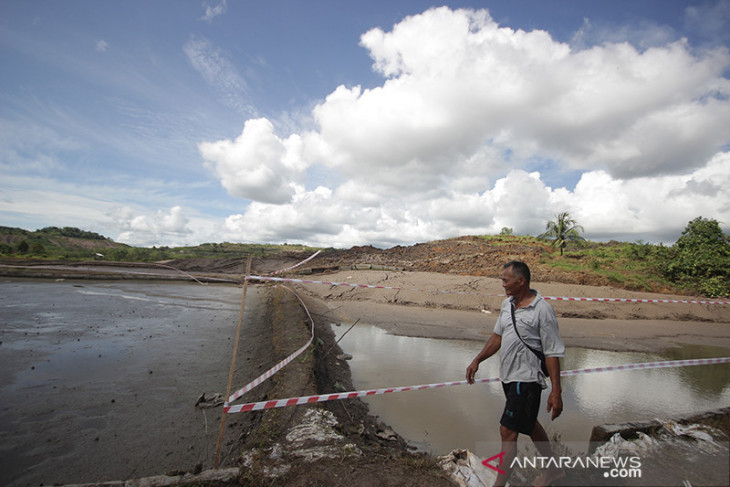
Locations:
341 443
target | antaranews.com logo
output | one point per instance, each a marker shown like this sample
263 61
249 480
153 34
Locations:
666 460
612 467
674 462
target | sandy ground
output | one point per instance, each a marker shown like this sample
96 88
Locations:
465 307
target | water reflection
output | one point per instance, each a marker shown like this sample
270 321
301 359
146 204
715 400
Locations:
439 420
698 378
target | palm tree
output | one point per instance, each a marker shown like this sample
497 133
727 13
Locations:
563 229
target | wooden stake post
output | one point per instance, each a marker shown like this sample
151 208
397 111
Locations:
233 361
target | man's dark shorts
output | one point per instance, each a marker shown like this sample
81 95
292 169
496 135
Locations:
523 404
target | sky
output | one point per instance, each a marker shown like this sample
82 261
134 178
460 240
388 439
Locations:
337 123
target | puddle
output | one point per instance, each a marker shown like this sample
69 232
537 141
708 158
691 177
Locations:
443 419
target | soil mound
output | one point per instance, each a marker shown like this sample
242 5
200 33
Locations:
465 256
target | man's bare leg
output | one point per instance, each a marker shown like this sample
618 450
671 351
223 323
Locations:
542 443
509 447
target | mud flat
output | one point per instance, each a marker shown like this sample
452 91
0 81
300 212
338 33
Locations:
100 379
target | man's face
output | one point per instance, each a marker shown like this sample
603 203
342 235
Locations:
511 282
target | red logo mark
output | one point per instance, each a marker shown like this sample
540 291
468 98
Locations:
501 458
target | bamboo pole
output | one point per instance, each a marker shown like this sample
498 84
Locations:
233 361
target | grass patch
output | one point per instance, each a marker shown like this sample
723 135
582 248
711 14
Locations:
630 265
499 240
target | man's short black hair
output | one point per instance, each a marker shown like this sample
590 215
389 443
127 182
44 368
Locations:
519 268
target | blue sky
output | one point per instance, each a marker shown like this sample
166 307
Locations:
341 123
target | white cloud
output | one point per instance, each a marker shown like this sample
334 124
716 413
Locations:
457 81
650 208
643 34
102 45
655 208
145 229
212 12
29 147
453 141
33 202
319 217
257 165
219 73
38 200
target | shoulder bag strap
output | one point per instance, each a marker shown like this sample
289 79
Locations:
539 354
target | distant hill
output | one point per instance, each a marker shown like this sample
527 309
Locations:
54 242
70 243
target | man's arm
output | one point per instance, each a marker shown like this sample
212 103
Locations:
555 400
492 346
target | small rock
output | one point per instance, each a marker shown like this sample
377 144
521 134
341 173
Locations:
387 434
204 402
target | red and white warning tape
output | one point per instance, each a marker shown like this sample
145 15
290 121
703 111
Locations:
554 298
308 281
298 264
294 401
276 368
629 300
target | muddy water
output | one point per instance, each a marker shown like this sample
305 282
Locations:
439 420
98 381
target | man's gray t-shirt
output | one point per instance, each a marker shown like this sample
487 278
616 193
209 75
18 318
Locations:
538 326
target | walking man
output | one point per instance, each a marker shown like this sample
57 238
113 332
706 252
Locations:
526 327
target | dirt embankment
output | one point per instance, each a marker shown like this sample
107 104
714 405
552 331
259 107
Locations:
332 443
465 256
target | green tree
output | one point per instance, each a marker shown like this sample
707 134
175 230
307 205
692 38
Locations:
23 247
140 254
119 253
701 258
562 230
71 232
37 249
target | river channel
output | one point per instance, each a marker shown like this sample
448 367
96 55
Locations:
440 420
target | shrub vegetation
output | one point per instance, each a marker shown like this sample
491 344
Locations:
700 259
